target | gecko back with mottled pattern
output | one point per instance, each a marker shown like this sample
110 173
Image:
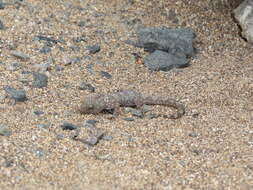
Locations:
96 103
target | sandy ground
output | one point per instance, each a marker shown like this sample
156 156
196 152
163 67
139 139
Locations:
211 147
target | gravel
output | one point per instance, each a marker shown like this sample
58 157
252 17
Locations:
156 153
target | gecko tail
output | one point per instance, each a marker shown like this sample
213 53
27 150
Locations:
169 102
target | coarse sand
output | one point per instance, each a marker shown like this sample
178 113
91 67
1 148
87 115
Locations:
209 148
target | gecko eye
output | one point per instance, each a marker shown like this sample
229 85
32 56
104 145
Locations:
90 106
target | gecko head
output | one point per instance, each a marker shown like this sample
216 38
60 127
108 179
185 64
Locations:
87 106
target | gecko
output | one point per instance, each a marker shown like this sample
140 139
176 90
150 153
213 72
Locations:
96 103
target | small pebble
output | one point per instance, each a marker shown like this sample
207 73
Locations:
91 121
47 39
195 113
105 74
93 48
68 126
89 126
107 137
128 119
58 68
81 24
5 131
19 55
91 141
60 136
75 48
130 139
38 112
1 25
134 112
39 152
79 39
172 16
69 61
2 6
95 136
12 67
151 116
193 134
42 126
45 50
39 80
8 163
86 86
89 68
42 67
17 95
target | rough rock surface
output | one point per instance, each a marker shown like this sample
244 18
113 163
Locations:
163 61
244 15
175 41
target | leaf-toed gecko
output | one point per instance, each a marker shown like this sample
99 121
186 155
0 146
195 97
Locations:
96 103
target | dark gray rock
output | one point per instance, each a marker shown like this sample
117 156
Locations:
86 86
89 68
75 48
172 16
93 48
42 67
81 23
91 141
92 121
43 126
151 116
2 5
1 25
69 61
5 131
95 135
9 162
46 39
105 74
17 95
134 112
39 80
89 125
162 61
60 136
38 112
19 55
175 41
193 134
45 49
13 66
107 137
128 119
244 16
68 126
79 39
58 68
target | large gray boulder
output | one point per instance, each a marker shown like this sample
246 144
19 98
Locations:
244 16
